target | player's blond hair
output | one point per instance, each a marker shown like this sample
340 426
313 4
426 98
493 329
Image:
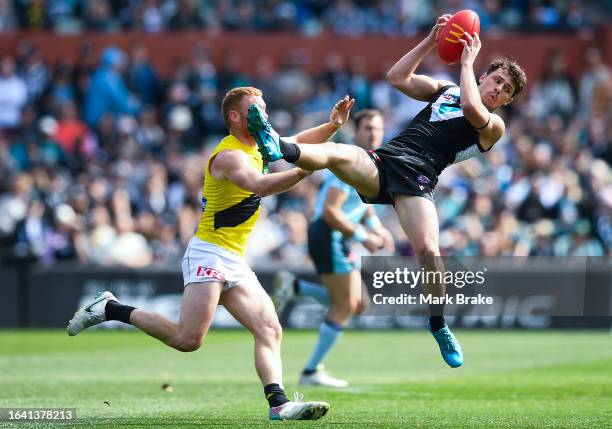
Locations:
233 98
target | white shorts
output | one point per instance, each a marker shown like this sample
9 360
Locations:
204 262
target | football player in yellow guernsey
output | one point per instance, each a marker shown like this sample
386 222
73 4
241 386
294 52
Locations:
214 269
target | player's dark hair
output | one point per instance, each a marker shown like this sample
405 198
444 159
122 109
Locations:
233 98
516 72
366 114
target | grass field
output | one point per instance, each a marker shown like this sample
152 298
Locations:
510 379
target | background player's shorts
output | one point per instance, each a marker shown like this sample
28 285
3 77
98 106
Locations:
208 262
405 173
329 250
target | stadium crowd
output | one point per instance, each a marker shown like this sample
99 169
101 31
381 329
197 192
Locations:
310 17
102 160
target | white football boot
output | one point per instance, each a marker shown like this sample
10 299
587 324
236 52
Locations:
298 410
91 314
283 290
321 378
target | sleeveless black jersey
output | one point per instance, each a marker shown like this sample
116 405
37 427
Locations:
439 132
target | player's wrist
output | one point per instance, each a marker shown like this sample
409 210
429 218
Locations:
359 234
336 125
373 223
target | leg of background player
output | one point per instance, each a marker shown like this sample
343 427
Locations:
313 290
345 293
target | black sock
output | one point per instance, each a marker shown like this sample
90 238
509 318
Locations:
116 311
436 323
309 371
291 151
296 286
275 395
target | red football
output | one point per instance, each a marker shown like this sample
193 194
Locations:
449 47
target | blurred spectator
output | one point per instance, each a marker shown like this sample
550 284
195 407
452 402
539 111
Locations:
595 86
142 78
71 131
8 19
98 16
35 74
14 94
33 14
149 17
554 94
187 17
107 90
344 18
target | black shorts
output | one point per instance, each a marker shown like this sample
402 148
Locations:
403 173
329 250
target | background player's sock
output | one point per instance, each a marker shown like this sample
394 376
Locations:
115 311
329 332
291 151
313 290
275 395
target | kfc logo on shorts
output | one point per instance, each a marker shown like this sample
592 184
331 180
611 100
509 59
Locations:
423 179
209 272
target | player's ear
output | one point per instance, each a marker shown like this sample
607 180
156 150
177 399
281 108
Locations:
482 77
234 116
509 101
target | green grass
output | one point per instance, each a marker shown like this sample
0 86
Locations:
511 379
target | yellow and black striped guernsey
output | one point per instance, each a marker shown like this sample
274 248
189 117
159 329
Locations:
229 212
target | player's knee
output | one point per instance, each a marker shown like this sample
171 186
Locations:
270 331
427 254
188 344
360 307
338 155
341 313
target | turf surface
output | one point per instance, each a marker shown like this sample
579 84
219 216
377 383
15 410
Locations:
511 379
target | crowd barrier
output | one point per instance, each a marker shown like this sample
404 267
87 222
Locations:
37 296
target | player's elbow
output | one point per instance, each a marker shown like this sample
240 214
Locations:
262 191
260 187
330 216
395 79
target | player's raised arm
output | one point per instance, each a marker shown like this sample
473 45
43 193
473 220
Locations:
324 132
402 76
235 166
489 125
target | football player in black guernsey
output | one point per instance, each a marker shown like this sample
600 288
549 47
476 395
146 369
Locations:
458 123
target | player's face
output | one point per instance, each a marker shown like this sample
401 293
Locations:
239 116
496 89
370 133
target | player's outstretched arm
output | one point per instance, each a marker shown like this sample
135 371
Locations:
234 165
490 126
402 76
324 132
